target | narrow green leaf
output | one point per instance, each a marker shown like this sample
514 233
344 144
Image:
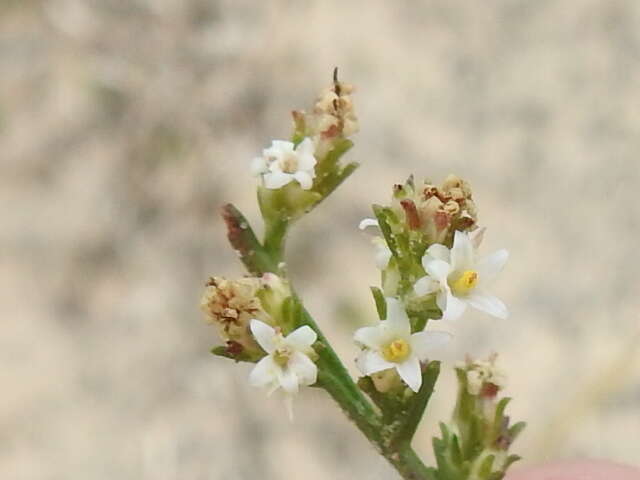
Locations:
486 466
381 303
244 241
516 429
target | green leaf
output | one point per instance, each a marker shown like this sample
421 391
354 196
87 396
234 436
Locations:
516 429
224 351
510 460
244 241
381 303
486 466
385 216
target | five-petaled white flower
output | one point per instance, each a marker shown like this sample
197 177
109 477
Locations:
287 364
282 163
459 279
390 344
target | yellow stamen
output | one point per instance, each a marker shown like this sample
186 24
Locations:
465 282
396 351
281 356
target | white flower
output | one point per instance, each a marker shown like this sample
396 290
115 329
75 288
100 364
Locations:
383 252
287 364
281 164
390 344
459 279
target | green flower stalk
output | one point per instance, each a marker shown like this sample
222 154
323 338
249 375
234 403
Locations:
427 252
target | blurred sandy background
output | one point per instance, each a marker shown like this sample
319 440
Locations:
124 125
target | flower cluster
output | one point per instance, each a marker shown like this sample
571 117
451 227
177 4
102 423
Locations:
476 442
332 117
427 253
251 319
230 305
435 211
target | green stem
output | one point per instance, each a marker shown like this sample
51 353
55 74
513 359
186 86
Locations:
333 377
274 237
409 465
418 404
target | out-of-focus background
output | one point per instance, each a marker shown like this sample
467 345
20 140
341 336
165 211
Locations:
125 125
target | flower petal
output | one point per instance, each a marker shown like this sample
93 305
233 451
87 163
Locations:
383 255
370 362
422 342
438 270
397 320
277 179
258 166
368 222
489 304
264 334
288 380
304 368
462 252
441 298
439 252
306 147
304 179
307 162
409 371
302 338
264 373
488 267
454 308
277 148
476 237
372 337
425 286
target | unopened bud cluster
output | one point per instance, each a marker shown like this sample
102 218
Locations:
479 425
332 117
436 211
230 305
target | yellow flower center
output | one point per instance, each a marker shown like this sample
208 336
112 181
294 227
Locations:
281 356
465 282
397 351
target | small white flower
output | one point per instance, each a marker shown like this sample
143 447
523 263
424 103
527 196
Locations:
459 279
287 364
282 163
383 252
390 344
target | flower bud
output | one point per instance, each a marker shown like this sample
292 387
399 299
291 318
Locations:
333 118
483 377
436 211
387 381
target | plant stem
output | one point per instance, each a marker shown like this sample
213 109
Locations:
333 377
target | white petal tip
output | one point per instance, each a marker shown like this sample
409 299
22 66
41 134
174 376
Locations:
368 222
